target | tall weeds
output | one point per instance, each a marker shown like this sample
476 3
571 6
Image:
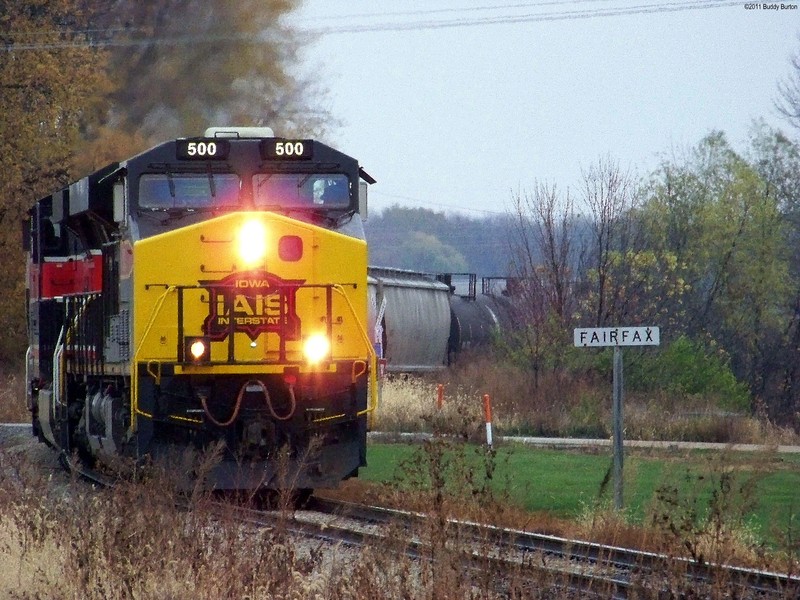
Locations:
13 407
558 406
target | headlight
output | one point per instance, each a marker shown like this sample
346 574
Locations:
316 348
197 350
252 243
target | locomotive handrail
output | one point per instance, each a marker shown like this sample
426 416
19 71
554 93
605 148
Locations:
339 288
135 379
373 381
58 370
28 376
373 358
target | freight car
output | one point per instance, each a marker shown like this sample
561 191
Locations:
209 292
423 321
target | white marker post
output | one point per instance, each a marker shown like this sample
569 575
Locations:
487 414
617 336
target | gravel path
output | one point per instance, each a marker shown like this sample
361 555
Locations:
13 434
563 443
16 440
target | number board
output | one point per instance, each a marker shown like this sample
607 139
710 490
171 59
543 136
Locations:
202 149
279 149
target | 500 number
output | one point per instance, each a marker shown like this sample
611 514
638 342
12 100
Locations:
289 149
201 149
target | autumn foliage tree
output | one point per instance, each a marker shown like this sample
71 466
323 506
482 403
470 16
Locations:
51 90
180 66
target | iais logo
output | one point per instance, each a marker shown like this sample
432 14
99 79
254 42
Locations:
252 302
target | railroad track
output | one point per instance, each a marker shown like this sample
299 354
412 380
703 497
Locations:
576 566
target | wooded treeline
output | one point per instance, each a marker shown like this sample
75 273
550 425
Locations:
420 239
707 248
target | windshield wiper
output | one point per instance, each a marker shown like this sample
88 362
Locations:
303 180
211 183
171 184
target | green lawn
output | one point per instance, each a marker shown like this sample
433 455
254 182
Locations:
764 487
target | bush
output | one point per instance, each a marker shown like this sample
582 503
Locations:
685 368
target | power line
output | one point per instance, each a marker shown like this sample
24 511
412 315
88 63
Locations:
419 25
433 11
660 7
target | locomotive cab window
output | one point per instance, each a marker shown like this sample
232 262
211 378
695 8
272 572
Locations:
301 190
192 190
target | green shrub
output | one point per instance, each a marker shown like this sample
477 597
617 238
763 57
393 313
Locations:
683 368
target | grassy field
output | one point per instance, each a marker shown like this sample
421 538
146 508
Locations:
748 494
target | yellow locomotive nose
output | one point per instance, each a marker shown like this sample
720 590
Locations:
252 242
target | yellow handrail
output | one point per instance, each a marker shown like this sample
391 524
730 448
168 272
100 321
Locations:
373 359
135 370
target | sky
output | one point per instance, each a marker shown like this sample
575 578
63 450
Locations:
457 105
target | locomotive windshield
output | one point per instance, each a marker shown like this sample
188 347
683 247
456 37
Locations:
301 190
188 190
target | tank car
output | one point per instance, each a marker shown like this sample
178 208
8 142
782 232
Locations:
477 317
209 292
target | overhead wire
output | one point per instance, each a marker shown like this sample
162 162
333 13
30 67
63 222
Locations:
116 37
659 7
460 9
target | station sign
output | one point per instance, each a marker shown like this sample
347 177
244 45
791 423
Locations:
616 336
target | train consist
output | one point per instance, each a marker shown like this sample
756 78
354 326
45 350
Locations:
208 292
425 320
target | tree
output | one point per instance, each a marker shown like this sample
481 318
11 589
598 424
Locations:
475 245
777 161
611 197
543 237
722 221
788 103
542 240
424 252
183 65
50 91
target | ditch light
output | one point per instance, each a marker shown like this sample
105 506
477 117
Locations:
197 350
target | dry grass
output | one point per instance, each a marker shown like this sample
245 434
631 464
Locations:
13 407
70 541
560 407
62 540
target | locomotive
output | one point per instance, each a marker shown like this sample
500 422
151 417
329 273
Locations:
210 292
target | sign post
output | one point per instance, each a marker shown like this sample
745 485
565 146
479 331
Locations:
617 337
616 428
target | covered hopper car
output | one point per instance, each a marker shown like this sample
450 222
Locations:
423 321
